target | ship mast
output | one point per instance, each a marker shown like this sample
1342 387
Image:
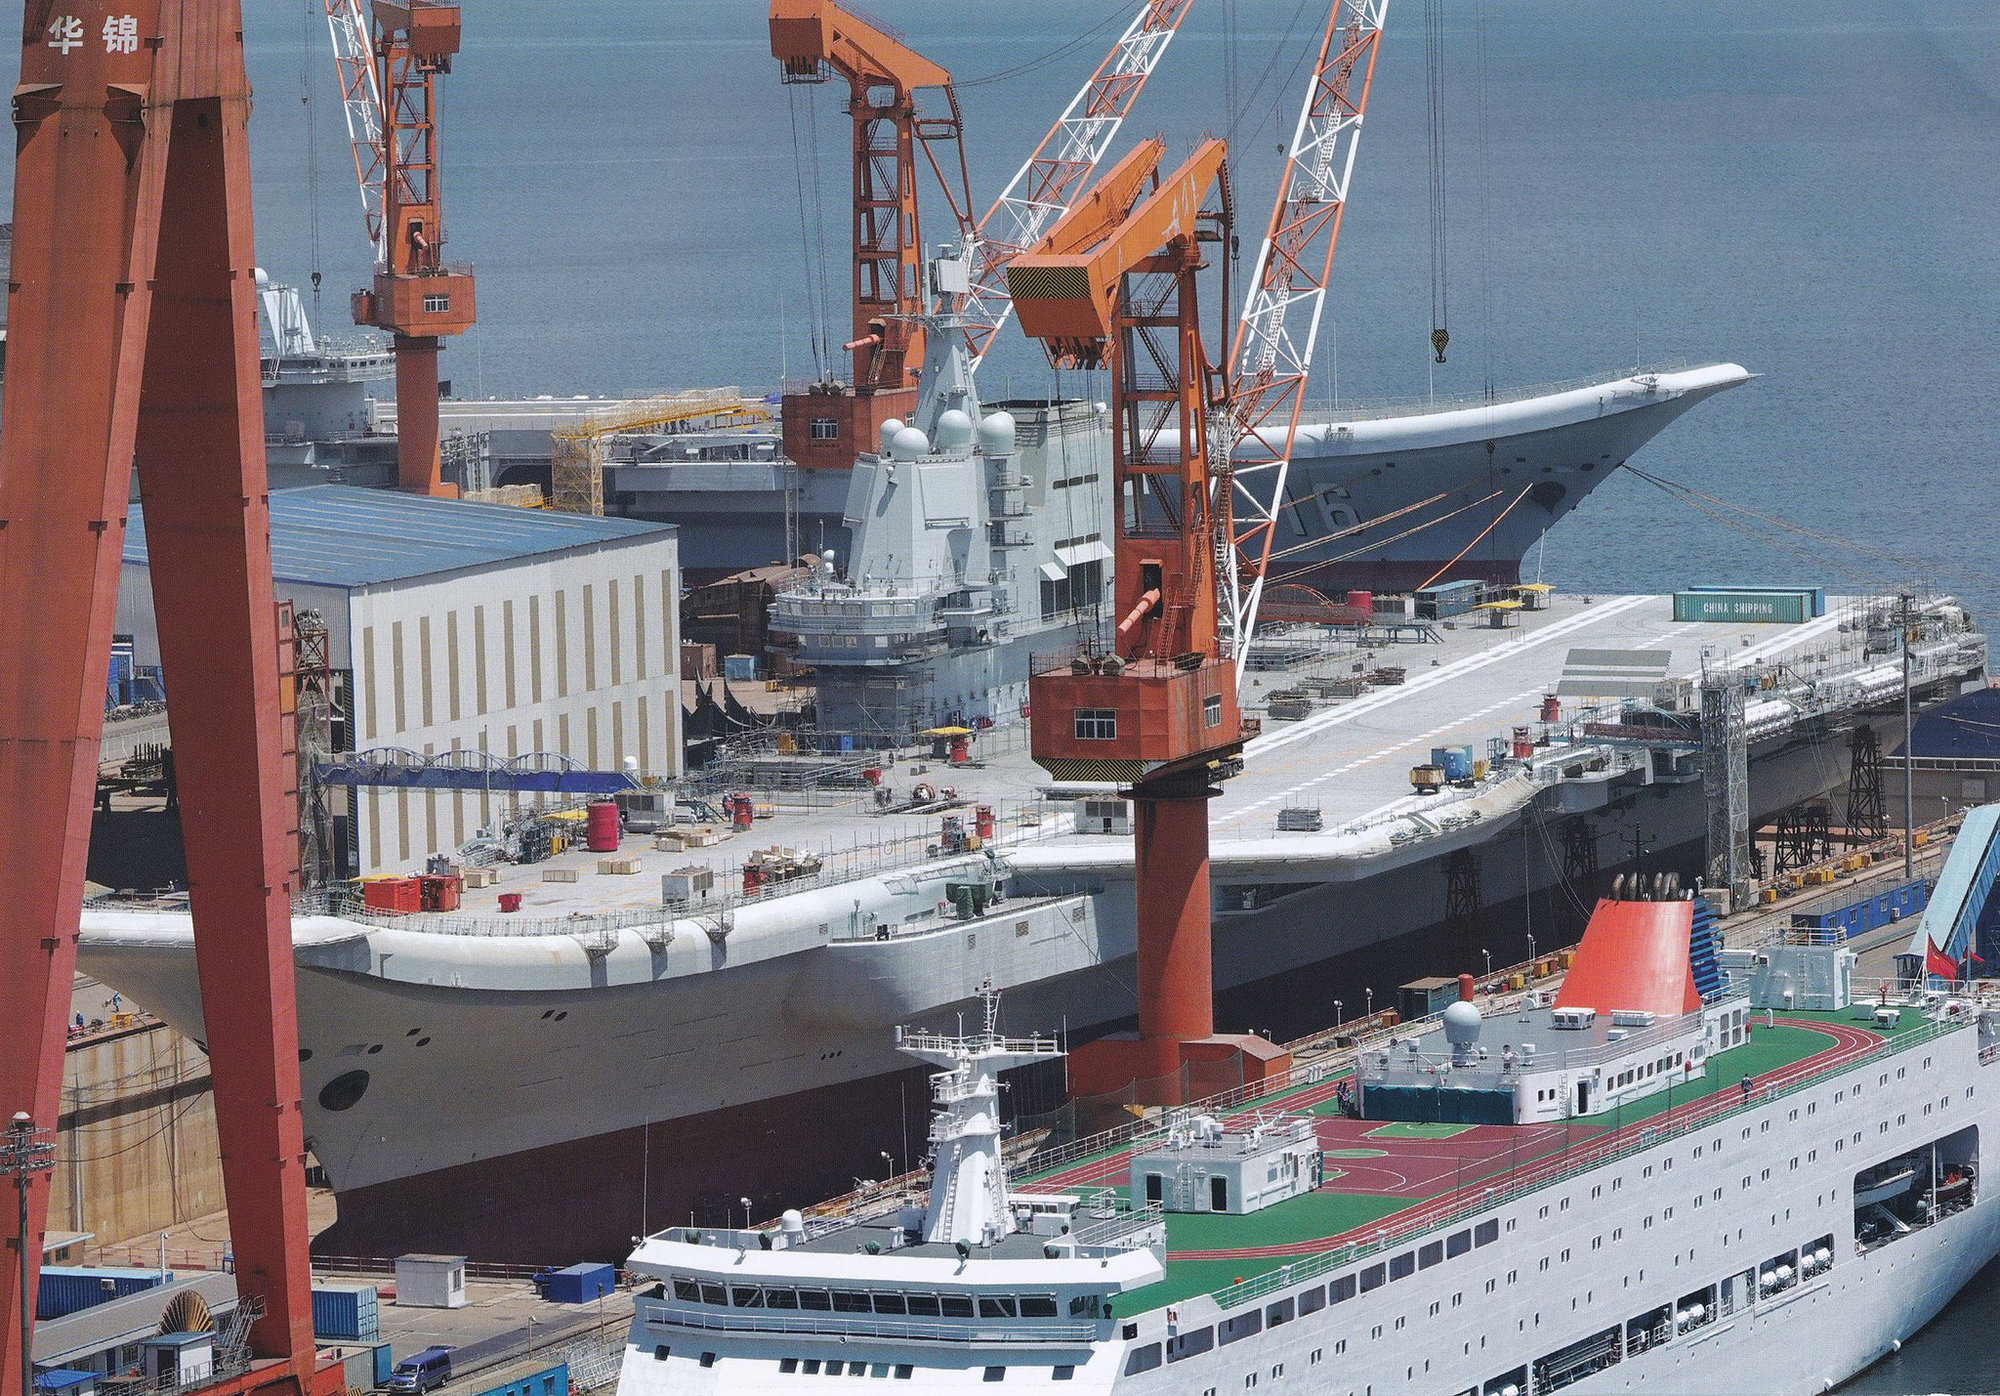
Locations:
968 1202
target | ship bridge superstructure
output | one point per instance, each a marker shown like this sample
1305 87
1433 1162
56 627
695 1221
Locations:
971 1267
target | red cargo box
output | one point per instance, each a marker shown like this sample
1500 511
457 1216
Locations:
393 894
441 892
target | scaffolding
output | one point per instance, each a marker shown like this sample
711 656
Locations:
1725 778
1867 814
1462 901
1804 836
313 674
1579 869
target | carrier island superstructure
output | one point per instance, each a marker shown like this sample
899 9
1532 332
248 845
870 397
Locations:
570 1050
952 578
1669 1172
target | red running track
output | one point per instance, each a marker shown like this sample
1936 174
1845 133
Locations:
1850 1044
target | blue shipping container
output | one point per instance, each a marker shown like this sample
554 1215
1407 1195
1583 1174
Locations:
385 1363
739 667
345 1311
550 1381
1900 902
1450 598
69 1289
579 1284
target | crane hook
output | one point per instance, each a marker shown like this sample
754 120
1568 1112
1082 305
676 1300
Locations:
1439 338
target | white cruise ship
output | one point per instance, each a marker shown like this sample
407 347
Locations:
1633 1184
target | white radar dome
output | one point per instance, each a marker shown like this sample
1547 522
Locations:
909 444
1462 1023
889 430
954 430
996 433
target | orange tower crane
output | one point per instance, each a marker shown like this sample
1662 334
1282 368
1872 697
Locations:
1113 285
824 427
417 296
132 322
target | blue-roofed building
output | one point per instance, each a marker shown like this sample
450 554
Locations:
474 626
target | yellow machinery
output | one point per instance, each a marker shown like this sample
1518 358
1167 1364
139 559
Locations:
576 475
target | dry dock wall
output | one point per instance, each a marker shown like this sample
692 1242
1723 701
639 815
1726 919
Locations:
136 1149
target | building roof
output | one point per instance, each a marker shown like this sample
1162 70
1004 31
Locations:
126 1319
341 536
1965 729
1634 956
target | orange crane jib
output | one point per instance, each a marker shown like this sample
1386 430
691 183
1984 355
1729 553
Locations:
1066 289
132 340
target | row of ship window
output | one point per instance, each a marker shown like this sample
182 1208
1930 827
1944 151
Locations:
1181 1346
898 1302
1775 1275
835 1367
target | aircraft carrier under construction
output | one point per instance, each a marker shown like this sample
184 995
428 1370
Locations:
624 1050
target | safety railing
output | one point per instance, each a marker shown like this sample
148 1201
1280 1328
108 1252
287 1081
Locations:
347 906
1029 1331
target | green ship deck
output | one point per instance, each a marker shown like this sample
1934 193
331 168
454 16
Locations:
1385 1183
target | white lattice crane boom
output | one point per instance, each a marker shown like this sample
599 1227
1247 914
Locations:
348 22
1042 189
1275 336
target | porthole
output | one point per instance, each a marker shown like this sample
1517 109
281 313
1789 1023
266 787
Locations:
344 1092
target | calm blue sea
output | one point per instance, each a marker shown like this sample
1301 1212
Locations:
1808 187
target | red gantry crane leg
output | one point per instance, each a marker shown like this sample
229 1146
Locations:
417 297
133 336
1114 285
